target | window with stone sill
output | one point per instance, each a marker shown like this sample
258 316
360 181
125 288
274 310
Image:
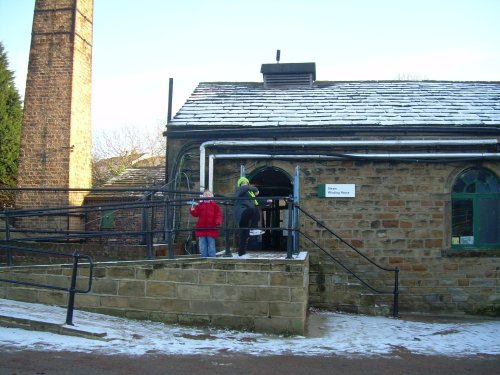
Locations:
475 210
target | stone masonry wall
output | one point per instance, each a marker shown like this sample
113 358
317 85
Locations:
267 295
98 252
125 219
56 132
400 216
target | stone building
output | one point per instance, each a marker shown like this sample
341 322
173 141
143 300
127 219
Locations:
406 172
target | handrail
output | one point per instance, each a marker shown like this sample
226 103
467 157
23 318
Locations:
168 228
317 221
342 265
72 290
395 291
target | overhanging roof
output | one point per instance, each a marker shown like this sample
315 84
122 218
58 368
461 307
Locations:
355 104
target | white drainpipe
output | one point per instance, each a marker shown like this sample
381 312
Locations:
321 143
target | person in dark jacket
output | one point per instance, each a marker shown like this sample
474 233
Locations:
209 216
246 212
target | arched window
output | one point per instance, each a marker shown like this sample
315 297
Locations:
475 210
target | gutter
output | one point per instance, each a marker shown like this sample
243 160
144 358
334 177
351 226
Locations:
228 132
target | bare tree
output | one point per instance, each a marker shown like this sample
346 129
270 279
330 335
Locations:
116 150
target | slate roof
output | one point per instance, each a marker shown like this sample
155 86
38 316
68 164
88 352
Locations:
373 103
134 177
138 177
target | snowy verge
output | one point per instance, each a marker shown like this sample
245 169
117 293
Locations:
329 334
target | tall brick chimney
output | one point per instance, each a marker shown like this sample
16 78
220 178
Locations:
56 130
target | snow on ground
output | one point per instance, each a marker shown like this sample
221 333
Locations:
329 334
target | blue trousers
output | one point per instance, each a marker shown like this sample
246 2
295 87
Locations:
207 246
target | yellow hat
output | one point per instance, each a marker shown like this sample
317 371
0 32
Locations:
242 180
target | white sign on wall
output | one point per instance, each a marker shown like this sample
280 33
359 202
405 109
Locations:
337 190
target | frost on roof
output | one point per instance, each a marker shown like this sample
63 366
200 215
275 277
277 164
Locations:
382 103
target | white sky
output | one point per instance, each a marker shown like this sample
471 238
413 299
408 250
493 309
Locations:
331 334
137 48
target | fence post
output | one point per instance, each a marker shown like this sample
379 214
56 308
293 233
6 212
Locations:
7 238
7 230
152 223
144 223
168 229
148 227
72 291
395 307
226 233
291 233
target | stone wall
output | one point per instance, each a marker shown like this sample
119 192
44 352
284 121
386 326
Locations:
130 219
98 252
266 295
122 219
400 216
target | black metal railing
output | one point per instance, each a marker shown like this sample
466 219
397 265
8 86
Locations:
72 290
157 208
160 212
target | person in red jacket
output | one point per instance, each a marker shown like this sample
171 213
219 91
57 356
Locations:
209 216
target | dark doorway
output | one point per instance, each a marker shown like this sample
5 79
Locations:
272 183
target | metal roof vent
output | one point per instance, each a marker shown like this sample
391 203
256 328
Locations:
288 75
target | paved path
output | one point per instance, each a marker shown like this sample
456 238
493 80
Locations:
56 363
45 361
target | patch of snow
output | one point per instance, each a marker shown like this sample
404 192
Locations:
329 334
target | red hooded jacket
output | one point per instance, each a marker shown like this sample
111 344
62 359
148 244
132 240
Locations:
209 215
